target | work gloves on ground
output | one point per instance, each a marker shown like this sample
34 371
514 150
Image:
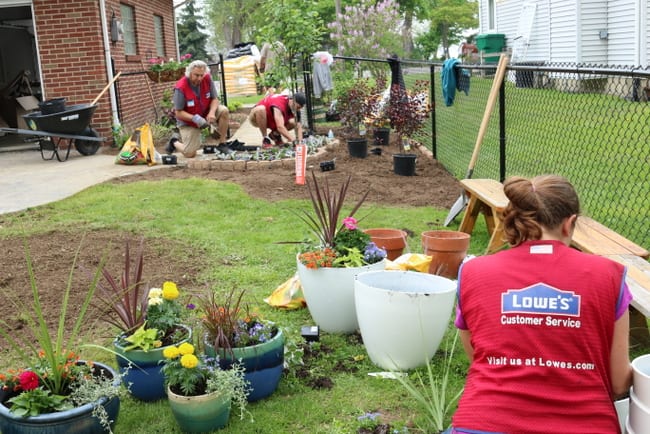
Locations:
199 121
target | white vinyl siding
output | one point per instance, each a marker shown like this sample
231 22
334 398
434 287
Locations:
623 25
593 17
563 29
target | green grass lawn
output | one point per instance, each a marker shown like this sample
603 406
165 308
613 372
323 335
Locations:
239 235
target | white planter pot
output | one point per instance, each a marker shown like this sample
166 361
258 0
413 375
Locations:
402 315
329 293
639 418
622 409
641 380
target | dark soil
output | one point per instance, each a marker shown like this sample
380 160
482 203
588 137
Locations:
52 252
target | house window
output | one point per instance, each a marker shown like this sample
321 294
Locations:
158 33
128 30
491 15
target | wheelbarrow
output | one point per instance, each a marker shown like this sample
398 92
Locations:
58 125
70 126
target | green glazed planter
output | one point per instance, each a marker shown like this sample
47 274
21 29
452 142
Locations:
263 364
144 379
199 414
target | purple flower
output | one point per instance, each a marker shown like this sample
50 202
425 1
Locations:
373 254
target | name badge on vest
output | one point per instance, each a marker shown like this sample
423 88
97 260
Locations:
207 94
542 249
190 103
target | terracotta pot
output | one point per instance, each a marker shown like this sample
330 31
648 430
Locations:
392 240
447 250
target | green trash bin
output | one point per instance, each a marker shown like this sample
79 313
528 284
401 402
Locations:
491 44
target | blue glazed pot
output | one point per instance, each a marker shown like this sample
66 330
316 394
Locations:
144 379
263 364
79 420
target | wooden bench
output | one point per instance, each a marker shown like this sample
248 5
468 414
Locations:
638 280
594 237
485 196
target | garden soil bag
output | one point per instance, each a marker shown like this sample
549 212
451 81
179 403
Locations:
138 149
288 295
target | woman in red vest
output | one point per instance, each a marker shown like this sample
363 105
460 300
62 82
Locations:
196 105
545 326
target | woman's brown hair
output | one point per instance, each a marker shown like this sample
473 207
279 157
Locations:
543 201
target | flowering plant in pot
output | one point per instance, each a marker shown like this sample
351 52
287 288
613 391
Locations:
340 243
52 384
327 267
146 320
236 334
196 384
162 69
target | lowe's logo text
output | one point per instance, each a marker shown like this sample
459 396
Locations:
540 299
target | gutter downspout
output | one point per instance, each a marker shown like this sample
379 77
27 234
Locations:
108 60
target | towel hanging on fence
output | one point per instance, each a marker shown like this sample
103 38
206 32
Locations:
453 78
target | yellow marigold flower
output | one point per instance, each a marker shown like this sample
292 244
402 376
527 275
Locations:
189 361
170 291
186 348
171 352
155 293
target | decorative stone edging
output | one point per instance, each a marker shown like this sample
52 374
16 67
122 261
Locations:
251 165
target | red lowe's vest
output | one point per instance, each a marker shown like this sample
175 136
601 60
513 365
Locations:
541 318
280 102
194 105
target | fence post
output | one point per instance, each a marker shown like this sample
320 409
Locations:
434 149
309 89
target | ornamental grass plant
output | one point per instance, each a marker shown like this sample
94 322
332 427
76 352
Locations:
230 323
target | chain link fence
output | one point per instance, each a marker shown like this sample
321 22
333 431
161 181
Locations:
588 123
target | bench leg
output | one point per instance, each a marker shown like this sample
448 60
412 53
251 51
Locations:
471 214
496 240
639 334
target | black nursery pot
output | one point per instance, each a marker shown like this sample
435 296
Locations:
358 148
404 164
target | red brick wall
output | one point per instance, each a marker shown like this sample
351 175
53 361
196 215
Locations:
73 61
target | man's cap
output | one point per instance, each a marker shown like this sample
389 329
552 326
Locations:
300 98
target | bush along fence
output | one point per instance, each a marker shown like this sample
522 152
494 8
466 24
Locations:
588 123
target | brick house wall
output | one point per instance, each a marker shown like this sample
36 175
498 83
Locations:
73 61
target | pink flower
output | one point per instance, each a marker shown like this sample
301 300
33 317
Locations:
28 380
350 223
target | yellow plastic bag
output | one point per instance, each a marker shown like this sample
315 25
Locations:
288 295
410 262
138 149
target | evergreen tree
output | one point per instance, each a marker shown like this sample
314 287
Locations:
191 38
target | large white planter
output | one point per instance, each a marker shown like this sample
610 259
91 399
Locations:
329 293
402 315
641 380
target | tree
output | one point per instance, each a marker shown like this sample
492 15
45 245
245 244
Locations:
448 19
191 38
236 18
297 26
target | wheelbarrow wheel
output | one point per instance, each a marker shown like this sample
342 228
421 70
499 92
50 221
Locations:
87 147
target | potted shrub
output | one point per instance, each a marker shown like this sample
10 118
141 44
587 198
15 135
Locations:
355 107
408 111
53 389
326 267
146 320
236 335
199 391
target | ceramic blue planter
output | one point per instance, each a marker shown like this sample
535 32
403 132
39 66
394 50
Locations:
263 364
79 420
144 379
